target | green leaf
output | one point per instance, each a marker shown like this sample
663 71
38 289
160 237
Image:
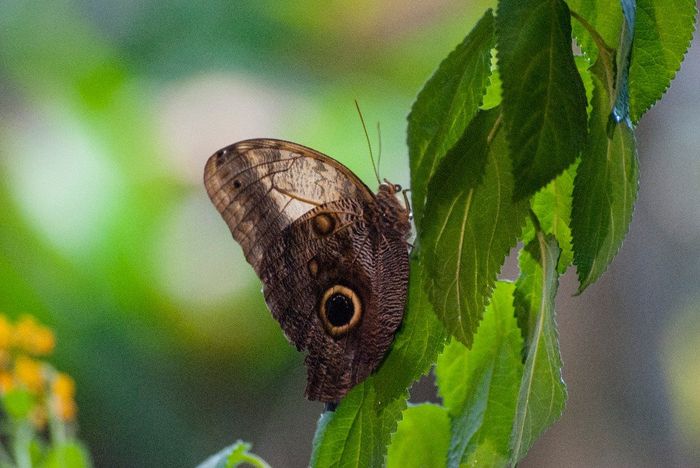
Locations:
446 104
421 439
233 456
605 16
544 101
527 296
663 31
552 205
542 391
18 403
358 431
471 222
417 344
480 386
492 95
582 65
67 455
605 187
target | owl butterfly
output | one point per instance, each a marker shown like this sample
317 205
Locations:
332 256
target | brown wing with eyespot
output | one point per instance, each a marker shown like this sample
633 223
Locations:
336 249
261 186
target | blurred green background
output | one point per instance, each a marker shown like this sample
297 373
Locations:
108 113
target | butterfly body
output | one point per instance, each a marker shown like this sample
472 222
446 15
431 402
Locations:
332 256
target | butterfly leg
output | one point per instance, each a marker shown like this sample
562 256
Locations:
330 406
407 203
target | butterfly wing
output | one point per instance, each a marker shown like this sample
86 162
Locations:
335 250
334 274
261 186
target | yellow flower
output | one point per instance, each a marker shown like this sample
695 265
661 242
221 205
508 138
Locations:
32 337
24 329
43 342
5 332
29 374
7 382
63 389
5 359
39 417
63 385
66 410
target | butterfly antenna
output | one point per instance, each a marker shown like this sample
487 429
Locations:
369 145
379 156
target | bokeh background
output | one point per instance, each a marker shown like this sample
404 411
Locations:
108 111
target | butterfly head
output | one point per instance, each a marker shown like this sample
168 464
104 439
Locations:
393 213
389 188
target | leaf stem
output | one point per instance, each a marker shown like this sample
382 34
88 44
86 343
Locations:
535 220
494 129
23 439
605 52
254 460
597 38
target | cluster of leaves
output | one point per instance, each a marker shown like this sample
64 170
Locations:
513 141
37 402
236 455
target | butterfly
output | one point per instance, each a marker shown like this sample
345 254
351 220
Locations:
331 254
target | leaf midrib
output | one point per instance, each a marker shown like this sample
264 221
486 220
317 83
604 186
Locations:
533 346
